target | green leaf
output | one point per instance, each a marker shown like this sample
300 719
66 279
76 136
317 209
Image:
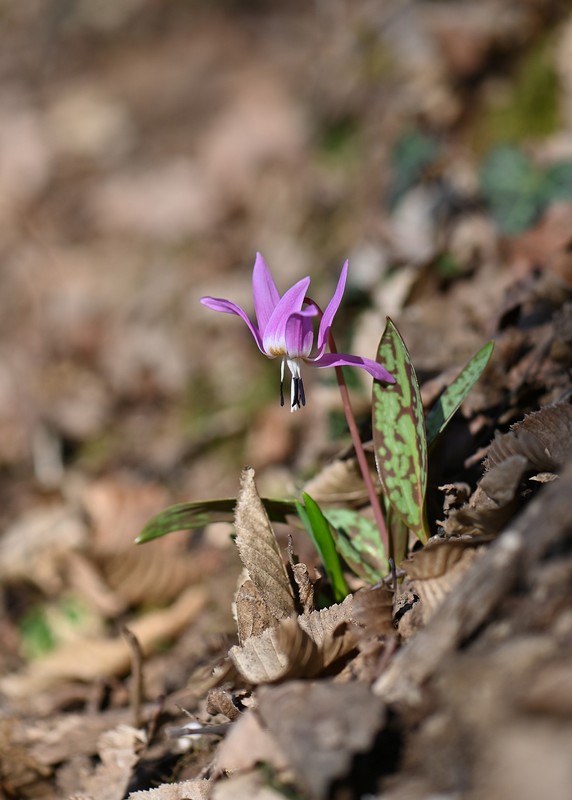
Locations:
186 516
357 541
455 393
399 439
319 529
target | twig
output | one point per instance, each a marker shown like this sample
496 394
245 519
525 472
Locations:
136 673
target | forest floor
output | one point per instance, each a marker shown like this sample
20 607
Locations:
147 152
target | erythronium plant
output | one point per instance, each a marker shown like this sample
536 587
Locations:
285 330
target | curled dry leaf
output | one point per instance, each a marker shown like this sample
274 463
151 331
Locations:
198 789
302 580
219 701
305 587
280 652
314 724
251 612
338 482
372 610
544 438
118 751
138 576
251 786
297 647
437 569
259 551
493 503
246 744
331 631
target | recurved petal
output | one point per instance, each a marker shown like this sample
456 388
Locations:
330 312
226 307
344 360
274 337
264 292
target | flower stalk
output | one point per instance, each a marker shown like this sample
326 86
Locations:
358 446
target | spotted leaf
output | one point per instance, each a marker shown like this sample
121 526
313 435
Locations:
399 437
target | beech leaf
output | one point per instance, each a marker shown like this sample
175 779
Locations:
259 550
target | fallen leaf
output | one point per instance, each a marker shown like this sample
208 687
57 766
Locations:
92 659
251 612
278 653
544 438
259 551
300 646
198 789
246 744
437 569
340 481
245 787
372 609
320 726
118 752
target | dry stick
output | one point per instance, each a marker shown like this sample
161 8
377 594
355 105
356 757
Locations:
358 447
137 674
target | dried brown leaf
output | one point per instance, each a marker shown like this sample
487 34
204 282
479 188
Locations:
437 569
320 726
118 752
139 576
250 786
259 551
219 701
331 631
338 482
493 503
305 587
251 612
544 438
281 652
246 744
92 659
198 789
372 609
297 647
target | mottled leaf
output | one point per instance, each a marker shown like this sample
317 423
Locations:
319 529
399 434
357 541
187 516
455 393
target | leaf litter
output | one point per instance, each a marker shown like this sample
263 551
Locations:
449 678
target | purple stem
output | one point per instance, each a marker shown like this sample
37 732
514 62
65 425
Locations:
358 447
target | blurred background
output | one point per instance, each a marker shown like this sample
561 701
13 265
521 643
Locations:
148 149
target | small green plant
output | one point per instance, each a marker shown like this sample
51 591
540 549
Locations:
402 436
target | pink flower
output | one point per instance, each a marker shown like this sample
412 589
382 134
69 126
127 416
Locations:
285 330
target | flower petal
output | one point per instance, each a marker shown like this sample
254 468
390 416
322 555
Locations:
299 333
343 360
219 304
274 336
330 312
264 292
